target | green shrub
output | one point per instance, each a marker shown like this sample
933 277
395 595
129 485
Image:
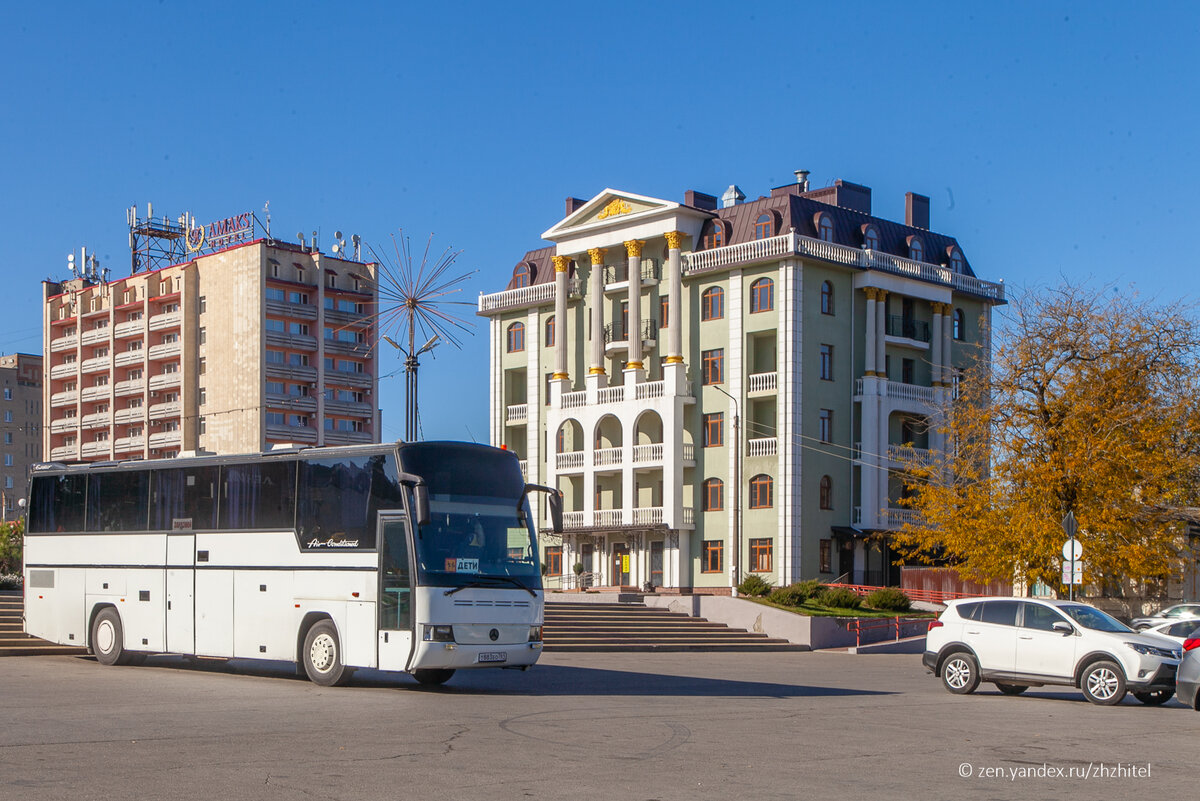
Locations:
754 585
10 581
839 598
889 599
793 594
810 588
11 541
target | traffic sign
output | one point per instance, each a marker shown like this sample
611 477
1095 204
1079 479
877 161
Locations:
1072 550
1072 572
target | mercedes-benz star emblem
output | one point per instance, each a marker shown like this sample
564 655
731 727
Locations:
494 634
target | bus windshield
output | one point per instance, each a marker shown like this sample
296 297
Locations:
480 530
475 539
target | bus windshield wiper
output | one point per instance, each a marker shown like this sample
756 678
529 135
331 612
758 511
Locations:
508 579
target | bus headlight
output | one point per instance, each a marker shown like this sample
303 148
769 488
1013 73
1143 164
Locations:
535 633
438 633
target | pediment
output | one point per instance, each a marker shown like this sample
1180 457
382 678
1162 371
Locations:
610 208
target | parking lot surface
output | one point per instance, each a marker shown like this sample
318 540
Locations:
578 726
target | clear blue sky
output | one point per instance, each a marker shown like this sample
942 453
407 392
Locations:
1053 139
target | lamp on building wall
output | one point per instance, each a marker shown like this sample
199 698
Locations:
736 557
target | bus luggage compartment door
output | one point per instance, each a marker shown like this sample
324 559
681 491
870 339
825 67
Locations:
181 591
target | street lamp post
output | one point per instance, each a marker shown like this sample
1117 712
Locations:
410 380
736 556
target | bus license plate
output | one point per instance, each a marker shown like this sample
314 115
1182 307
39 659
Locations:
493 656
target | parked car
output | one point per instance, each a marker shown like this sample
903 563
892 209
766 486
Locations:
1177 630
1018 643
1189 674
1170 613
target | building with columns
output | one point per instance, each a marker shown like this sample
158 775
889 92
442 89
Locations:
726 387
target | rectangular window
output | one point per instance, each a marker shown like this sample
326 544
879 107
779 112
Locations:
274 293
665 312
298 297
712 366
278 326
203 337
275 388
276 418
760 555
713 556
202 398
275 357
826 556
714 430
202 366
8 460
298 329
906 371
825 426
203 304
826 362
554 560
297 360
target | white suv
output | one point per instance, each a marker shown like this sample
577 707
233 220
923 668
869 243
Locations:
1018 643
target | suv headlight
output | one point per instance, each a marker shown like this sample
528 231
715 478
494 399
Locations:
535 634
1150 650
438 633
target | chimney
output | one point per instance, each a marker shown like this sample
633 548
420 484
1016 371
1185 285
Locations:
802 179
916 210
573 205
699 200
732 196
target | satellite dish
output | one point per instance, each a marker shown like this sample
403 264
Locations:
335 248
337 234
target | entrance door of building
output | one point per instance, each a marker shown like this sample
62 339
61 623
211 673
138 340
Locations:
656 563
620 564
846 561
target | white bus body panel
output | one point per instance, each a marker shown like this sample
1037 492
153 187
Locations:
181 593
475 613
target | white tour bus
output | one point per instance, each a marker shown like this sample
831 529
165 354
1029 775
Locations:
406 557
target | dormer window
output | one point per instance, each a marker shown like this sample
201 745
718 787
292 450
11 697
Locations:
824 227
916 250
870 237
523 275
714 236
763 226
957 263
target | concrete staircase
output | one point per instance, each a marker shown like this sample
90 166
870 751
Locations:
13 639
616 627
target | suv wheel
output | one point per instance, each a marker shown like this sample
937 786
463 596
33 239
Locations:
960 673
1103 683
1011 689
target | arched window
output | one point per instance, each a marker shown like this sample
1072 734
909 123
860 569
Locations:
957 327
714 236
870 237
826 492
523 275
712 303
516 337
714 495
761 496
826 297
916 250
550 333
762 295
957 263
824 227
763 226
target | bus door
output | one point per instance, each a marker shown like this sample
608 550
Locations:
395 592
181 588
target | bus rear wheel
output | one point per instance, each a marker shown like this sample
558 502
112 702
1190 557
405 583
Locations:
322 656
433 676
108 638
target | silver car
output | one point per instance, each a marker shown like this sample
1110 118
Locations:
1175 612
1187 680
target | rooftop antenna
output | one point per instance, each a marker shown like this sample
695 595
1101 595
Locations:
71 264
300 236
339 244
357 247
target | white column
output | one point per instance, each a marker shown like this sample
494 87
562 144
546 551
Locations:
634 250
561 264
935 342
735 367
880 333
596 377
674 299
947 338
870 347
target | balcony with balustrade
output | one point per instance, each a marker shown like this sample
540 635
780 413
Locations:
165 321
60 344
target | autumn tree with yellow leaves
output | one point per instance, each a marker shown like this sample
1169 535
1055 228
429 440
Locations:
1090 404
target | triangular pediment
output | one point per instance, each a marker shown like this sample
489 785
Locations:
610 208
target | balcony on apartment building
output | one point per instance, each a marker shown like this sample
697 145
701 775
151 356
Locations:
637 516
605 460
63 424
130 386
60 371
900 391
126 444
166 439
164 350
95 335
299 311
161 411
164 381
792 244
94 449
165 321
525 296
616 335
128 358
94 393
96 420
890 518
59 344
64 453
129 329
65 398
127 415
616 276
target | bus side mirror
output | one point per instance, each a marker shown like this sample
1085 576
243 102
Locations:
556 511
556 496
421 502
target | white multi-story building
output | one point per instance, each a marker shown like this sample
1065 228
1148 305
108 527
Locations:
787 352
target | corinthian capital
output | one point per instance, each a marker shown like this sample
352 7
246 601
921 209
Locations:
597 255
674 238
634 247
561 263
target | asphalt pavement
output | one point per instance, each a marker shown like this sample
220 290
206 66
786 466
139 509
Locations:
578 726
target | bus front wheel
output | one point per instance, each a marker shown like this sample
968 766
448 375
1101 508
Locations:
108 638
322 656
433 676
